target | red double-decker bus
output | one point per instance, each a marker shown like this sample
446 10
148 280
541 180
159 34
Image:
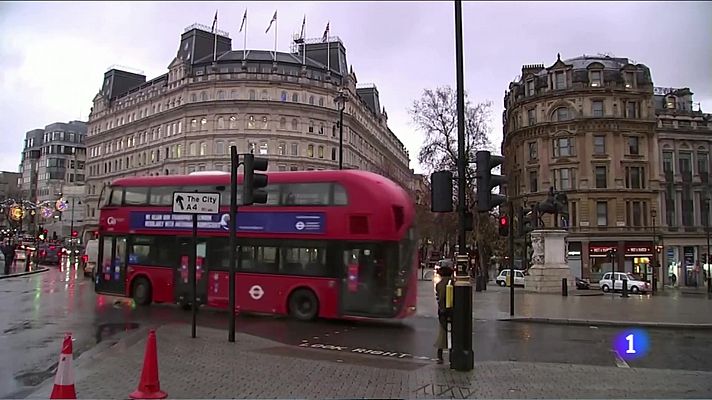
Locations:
330 244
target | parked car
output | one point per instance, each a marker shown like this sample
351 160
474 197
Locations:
88 260
582 284
635 285
518 277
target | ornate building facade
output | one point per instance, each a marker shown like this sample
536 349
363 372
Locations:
586 126
284 106
685 142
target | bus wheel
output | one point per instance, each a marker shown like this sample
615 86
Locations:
142 292
303 305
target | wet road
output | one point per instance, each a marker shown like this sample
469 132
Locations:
37 310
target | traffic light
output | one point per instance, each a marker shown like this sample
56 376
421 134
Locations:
503 226
527 220
253 183
441 191
486 201
75 234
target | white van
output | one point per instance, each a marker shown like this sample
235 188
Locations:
90 256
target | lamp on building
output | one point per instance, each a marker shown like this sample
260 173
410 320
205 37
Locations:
341 100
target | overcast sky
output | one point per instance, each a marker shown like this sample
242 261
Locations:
53 55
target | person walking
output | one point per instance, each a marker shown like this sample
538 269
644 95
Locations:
444 313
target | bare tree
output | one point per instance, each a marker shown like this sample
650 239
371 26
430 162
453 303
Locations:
435 114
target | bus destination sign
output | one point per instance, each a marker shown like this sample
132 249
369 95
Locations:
196 203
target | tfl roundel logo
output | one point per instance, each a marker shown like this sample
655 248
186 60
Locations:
111 221
299 225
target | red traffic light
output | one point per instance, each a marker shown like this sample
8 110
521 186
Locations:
503 226
503 220
75 233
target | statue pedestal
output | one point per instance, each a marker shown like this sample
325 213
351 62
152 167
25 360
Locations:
549 262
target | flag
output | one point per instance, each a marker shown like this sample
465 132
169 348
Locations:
244 19
274 19
326 33
215 22
304 23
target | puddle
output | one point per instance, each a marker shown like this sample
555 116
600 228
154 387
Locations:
24 325
36 377
104 331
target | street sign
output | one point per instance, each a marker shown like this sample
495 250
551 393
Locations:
196 203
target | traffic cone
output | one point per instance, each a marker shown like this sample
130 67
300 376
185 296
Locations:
149 387
64 380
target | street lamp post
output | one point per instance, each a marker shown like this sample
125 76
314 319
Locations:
341 100
707 228
653 214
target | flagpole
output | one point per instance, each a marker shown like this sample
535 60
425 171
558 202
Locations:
304 42
244 49
328 53
275 37
215 44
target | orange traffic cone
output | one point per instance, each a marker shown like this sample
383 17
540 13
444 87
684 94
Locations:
64 380
149 387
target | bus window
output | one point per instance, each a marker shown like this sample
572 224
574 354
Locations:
305 194
153 250
304 261
136 196
340 198
162 195
116 195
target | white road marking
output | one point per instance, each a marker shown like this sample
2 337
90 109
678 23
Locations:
620 362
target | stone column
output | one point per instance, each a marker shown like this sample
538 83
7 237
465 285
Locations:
549 262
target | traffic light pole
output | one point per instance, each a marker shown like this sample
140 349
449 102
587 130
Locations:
234 162
461 355
511 259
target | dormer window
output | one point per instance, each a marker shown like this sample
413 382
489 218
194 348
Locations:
559 80
629 79
670 103
596 79
530 88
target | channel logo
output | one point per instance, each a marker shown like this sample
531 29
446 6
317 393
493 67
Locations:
631 344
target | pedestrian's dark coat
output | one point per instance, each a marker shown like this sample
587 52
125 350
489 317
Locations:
443 312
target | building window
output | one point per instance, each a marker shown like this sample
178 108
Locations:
219 147
601 177
629 79
635 177
530 88
283 96
265 95
282 149
533 181
264 122
597 108
193 98
559 80
685 163
221 95
251 122
252 95
310 150
251 147
321 102
311 126
192 149
283 123
263 148
233 94
563 178
295 149
311 100
670 103
203 148
333 154
596 79
533 151
203 121
634 213
193 125
601 213
631 109
295 97
703 163
561 114
203 96
668 164
221 123
531 116
563 147
233 122
321 151
295 124
599 145
633 146
293 168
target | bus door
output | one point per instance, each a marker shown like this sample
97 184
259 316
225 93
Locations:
110 275
362 291
183 274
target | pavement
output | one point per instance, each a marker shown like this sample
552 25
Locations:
18 268
211 367
670 308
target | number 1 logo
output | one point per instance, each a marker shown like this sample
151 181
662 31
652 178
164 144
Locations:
631 346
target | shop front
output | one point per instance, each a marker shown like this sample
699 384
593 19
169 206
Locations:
599 260
639 260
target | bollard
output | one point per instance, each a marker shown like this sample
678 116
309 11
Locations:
625 288
709 285
27 262
478 283
564 288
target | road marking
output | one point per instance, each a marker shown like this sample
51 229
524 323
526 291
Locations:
620 362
